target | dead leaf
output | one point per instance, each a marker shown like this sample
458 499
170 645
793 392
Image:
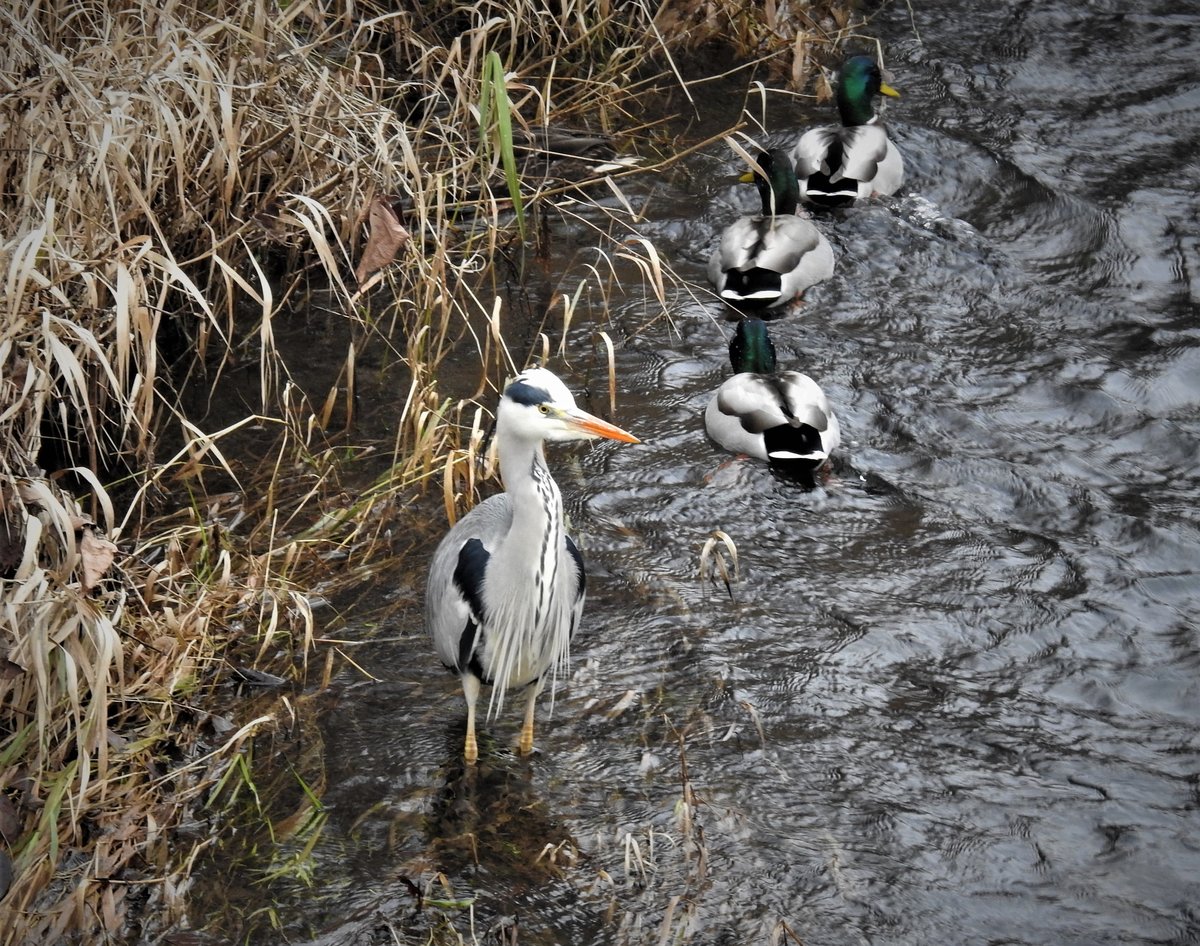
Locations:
10 823
6 873
12 545
385 240
97 554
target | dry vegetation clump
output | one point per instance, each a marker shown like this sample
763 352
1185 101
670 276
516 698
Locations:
172 178
792 37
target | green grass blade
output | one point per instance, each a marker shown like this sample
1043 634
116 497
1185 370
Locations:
494 70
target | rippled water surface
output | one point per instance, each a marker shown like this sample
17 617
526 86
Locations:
954 697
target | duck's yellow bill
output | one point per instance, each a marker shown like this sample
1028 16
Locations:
888 90
747 178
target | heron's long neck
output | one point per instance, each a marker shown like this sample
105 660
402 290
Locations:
527 590
536 501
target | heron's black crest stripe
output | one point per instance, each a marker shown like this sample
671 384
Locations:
581 585
529 394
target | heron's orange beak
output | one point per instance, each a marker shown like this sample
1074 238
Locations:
590 424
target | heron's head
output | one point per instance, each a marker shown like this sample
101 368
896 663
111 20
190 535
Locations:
538 406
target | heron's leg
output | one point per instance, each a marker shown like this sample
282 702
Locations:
470 685
525 746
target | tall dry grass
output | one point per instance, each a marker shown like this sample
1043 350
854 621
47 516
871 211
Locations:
173 179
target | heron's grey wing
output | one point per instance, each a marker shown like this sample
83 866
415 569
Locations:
449 609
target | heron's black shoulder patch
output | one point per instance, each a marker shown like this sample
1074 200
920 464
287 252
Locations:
469 572
581 585
529 394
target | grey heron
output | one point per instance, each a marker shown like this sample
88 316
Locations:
506 583
839 164
769 259
779 416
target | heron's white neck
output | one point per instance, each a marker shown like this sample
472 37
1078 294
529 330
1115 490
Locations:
530 487
529 592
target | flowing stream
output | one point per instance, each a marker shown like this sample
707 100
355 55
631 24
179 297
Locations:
954 696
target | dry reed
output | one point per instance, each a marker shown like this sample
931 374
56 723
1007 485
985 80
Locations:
172 178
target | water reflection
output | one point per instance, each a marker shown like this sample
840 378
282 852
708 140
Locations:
954 697
488 816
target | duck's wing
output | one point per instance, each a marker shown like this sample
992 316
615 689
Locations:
812 150
756 400
890 173
775 243
836 164
785 243
812 431
804 401
864 148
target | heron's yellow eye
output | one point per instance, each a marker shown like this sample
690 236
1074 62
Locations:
544 408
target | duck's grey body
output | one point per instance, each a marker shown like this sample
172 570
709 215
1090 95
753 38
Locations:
840 164
769 259
782 417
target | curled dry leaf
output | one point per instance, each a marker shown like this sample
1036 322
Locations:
96 553
10 822
12 545
385 240
6 873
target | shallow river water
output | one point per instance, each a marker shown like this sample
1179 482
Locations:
955 695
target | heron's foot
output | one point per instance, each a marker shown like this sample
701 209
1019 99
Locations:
525 744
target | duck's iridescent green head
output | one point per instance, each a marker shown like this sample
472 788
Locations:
776 182
859 81
751 349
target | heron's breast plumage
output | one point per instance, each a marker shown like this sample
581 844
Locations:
506 586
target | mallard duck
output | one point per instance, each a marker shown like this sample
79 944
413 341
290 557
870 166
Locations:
782 417
766 260
838 164
566 154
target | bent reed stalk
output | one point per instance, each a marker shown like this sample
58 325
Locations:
173 179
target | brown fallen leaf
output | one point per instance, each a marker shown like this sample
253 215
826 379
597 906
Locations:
386 238
12 544
10 823
96 553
